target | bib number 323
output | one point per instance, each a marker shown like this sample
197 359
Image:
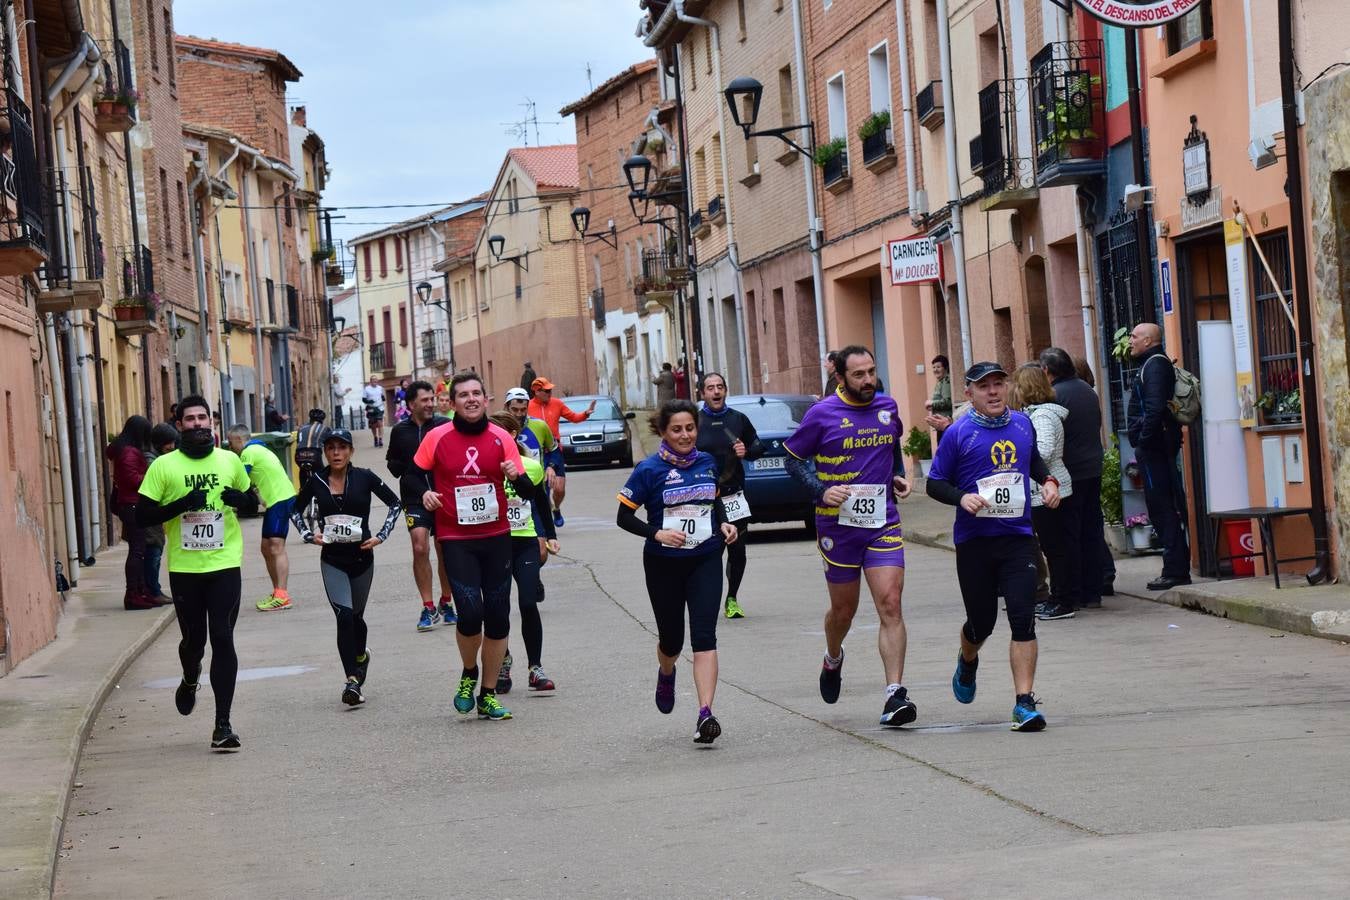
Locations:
203 530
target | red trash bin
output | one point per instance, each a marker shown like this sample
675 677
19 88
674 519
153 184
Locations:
1240 542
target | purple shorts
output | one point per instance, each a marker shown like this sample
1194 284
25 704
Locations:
847 551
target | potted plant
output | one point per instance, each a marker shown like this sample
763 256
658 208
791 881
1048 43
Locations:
1113 510
919 447
1141 531
876 123
830 151
1069 124
1120 345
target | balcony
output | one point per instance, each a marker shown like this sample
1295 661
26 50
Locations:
435 347
928 106
698 227
115 106
878 142
333 276
1009 180
834 172
1068 113
663 274
75 282
323 252
138 304
717 211
23 241
382 358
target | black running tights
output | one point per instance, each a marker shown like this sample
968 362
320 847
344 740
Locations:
525 568
675 583
347 594
991 567
207 604
736 559
480 579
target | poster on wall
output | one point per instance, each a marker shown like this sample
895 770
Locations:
1241 318
914 261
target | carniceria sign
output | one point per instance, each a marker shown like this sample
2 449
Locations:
915 260
1138 15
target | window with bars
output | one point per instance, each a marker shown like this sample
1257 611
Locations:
1279 399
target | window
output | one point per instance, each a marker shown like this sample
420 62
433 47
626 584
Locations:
707 53
690 57
153 42
752 157
166 220
388 318
384 261
512 202
628 263
834 104
403 324
715 187
519 286
616 106
168 45
588 124
1192 28
879 78
365 259
785 96
183 218
700 178
740 19
398 253
1278 389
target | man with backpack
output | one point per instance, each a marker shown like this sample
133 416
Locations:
1155 435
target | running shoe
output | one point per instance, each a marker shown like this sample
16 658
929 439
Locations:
362 664
272 603
429 619
185 698
899 709
504 675
831 680
558 520
665 691
447 613
224 738
464 696
708 728
963 679
1025 716
1047 612
734 610
351 692
490 708
539 681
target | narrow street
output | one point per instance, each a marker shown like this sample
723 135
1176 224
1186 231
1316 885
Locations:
1215 750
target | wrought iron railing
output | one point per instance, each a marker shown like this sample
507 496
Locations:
662 267
715 207
928 103
1000 167
435 346
1067 110
21 178
877 145
70 195
382 356
835 169
1280 398
138 272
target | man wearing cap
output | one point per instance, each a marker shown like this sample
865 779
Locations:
534 433
404 439
545 406
984 466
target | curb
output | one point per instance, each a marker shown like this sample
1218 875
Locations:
75 750
1329 624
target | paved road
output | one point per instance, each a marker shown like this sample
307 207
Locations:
1186 755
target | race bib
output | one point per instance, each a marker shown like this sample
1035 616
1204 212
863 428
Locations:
342 529
204 530
1005 493
518 512
476 504
694 519
737 506
865 506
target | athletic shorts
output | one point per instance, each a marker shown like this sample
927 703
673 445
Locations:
417 516
847 551
277 519
555 459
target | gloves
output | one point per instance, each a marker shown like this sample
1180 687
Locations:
194 499
235 498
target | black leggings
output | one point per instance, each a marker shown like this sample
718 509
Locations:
480 579
208 604
736 558
676 582
990 567
525 568
134 535
1058 532
347 594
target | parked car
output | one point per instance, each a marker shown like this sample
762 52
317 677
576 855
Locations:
773 494
604 438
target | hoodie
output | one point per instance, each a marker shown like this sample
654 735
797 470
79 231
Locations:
1048 420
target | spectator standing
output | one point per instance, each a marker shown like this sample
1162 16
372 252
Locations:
665 385
1083 459
529 375
1080 365
1156 438
163 441
127 454
940 405
681 383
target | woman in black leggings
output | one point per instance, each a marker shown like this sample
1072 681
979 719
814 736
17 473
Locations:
342 495
686 529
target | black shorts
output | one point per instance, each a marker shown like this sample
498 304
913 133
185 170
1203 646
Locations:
374 415
417 516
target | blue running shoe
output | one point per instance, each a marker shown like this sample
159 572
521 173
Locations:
429 619
464 696
558 520
1025 715
447 613
490 708
963 680
665 691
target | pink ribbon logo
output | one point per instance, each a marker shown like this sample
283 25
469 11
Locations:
471 461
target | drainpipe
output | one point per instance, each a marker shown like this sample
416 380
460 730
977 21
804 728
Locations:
285 343
906 93
257 288
199 254
953 180
809 174
1298 254
732 253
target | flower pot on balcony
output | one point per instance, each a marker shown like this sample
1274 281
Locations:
21 256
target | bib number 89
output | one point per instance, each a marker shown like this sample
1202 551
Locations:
479 504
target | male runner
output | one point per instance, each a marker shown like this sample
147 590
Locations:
729 435
404 439
309 444
984 466
542 448
545 406
853 436
277 494
372 395
197 490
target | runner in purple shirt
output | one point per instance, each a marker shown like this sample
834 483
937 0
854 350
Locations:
853 437
984 466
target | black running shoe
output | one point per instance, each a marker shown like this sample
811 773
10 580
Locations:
224 738
362 666
899 710
831 680
708 728
504 675
185 698
351 692
1048 612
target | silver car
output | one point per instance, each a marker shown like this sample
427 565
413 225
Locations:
603 438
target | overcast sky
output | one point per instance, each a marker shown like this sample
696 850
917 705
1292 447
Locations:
410 96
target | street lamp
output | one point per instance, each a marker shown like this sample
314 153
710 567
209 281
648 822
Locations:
743 96
635 168
581 219
424 292
496 243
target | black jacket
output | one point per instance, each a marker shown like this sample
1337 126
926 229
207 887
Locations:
716 434
1151 423
404 439
355 500
1082 428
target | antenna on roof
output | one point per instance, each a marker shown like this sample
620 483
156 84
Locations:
521 130
590 85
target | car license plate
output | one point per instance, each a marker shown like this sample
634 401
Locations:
588 448
768 462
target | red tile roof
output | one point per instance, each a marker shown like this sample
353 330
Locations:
550 167
289 70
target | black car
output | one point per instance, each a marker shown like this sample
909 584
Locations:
603 438
773 494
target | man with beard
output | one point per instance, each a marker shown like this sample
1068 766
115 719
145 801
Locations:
853 437
197 490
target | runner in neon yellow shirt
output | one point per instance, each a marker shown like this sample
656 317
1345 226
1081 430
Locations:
278 498
196 490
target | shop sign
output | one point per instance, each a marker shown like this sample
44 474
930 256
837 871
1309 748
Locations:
1197 215
1140 14
1240 317
915 261
1195 164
